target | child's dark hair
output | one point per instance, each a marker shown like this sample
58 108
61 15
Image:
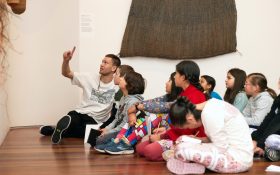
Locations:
180 109
210 80
258 79
191 72
175 91
124 69
239 82
115 59
135 83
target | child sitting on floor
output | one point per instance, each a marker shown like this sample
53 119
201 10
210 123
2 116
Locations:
231 147
235 93
266 138
120 72
132 85
208 83
260 101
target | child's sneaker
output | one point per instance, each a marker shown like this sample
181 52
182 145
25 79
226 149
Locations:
61 126
101 147
180 167
272 154
46 130
120 148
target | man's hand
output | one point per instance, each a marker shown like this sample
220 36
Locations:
103 131
65 70
68 54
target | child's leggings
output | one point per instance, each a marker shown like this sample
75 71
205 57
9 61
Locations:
210 156
139 132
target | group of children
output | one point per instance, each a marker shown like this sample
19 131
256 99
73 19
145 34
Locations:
190 107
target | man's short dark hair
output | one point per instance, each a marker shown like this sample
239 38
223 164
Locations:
115 59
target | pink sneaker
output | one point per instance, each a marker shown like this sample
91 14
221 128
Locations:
180 167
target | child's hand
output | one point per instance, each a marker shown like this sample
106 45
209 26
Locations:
140 106
116 140
159 131
195 137
131 123
259 151
132 119
132 109
154 137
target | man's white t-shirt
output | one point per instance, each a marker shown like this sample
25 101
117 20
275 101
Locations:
227 129
98 97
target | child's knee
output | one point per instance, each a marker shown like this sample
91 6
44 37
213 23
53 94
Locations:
140 148
273 141
153 152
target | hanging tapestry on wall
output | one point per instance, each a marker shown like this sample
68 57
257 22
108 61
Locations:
180 29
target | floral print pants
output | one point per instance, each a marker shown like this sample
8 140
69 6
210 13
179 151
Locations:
210 156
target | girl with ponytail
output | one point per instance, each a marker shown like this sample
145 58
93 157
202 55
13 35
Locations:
187 77
266 138
261 99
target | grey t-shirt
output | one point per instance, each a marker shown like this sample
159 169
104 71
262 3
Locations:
121 117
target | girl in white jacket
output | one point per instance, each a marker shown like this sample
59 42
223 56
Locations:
230 149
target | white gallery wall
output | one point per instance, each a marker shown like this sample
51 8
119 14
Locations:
257 36
37 92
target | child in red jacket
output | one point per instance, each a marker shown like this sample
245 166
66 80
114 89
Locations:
187 77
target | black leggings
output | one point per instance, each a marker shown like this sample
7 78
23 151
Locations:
270 124
78 124
273 127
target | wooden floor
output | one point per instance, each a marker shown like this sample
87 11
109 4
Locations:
26 152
